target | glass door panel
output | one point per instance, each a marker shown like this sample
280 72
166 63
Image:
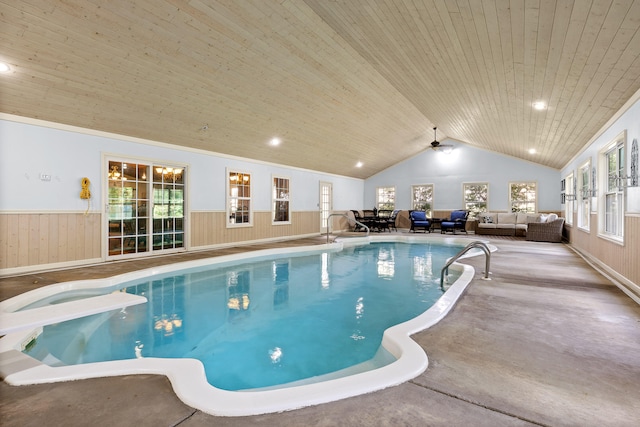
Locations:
126 208
168 207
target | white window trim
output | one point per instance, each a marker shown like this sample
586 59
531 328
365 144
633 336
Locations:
569 204
433 194
535 205
603 177
464 200
395 193
229 199
275 199
581 196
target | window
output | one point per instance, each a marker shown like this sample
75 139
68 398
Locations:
475 197
280 200
386 198
523 197
612 210
239 199
422 198
570 197
584 195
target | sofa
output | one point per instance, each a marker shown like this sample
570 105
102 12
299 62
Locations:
548 231
511 223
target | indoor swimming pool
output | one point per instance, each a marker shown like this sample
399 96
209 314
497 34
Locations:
279 328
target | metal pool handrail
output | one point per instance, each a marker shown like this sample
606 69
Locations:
474 244
349 219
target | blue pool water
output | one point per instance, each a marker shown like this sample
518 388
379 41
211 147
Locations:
262 323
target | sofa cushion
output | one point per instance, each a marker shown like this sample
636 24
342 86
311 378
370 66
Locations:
511 226
533 218
419 215
507 218
522 218
486 218
486 225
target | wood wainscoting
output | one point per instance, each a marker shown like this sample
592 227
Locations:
29 239
37 241
210 228
617 259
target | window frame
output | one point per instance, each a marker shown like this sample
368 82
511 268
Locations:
584 196
414 201
569 204
465 202
535 198
275 200
610 188
245 199
381 203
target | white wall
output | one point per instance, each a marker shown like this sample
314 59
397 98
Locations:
447 172
28 150
629 120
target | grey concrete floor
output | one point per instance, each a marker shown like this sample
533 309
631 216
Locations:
548 341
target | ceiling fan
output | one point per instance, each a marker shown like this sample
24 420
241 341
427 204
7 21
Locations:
435 145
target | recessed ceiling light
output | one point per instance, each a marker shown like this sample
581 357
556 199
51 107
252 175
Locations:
539 105
359 164
275 142
532 151
4 67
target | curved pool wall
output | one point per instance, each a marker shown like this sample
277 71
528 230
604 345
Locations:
188 377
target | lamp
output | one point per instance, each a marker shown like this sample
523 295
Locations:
169 174
115 175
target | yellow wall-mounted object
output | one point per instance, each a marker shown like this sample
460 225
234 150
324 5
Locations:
85 193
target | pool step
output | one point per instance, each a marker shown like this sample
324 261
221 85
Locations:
48 315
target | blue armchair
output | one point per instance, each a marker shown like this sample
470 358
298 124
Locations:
419 220
457 221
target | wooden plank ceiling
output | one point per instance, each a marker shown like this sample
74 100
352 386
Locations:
339 81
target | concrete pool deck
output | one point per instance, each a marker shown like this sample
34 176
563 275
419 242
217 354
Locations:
548 341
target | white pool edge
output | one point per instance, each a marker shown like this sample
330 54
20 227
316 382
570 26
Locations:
187 376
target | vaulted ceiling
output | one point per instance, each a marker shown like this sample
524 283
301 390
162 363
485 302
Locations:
339 81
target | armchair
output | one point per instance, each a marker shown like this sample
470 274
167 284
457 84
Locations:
457 221
392 219
419 220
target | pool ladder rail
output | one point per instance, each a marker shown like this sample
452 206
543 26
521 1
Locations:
472 245
348 219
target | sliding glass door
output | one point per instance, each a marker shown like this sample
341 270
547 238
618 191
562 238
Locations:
145 208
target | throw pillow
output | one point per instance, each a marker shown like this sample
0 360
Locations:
542 218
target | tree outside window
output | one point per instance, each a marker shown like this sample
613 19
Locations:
523 196
422 198
386 198
475 198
